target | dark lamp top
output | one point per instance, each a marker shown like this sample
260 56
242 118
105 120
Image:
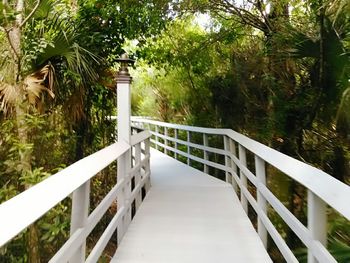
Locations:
123 74
124 59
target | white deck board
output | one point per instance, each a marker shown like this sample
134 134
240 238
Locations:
189 216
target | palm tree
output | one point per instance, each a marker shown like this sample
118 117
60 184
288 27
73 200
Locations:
35 42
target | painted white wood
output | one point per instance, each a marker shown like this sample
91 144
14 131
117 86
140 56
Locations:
25 208
124 166
321 253
124 162
184 215
124 110
260 172
279 241
81 234
80 211
298 228
138 199
259 181
188 147
191 144
195 158
102 242
323 185
148 166
165 140
176 138
157 139
332 191
317 222
139 186
233 165
243 161
205 153
228 177
105 237
140 137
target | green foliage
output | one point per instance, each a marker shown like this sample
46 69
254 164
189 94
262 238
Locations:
284 85
280 77
106 24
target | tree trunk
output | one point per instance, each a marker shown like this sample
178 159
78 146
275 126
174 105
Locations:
15 38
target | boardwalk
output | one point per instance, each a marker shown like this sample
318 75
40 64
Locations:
189 216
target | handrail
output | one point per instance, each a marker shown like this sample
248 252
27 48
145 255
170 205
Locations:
322 188
314 179
24 209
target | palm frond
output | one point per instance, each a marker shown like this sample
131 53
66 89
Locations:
9 95
64 44
39 82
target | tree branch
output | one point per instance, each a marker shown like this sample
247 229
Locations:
31 14
244 15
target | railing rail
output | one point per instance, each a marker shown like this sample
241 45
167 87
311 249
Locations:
21 211
322 188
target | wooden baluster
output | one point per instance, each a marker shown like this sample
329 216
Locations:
233 164
80 211
157 139
243 160
165 140
148 165
188 147
316 221
138 199
260 172
205 153
228 176
176 138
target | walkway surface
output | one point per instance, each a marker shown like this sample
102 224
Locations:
189 216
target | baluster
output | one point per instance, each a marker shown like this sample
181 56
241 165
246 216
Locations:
316 221
243 160
138 198
233 164
260 173
147 167
206 155
157 139
228 177
123 198
166 140
188 147
176 137
80 211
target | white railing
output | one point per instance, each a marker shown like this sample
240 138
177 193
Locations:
322 189
21 211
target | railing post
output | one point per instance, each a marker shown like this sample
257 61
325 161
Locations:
233 164
176 137
188 147
228 177
316 221
157 138
80 211
243 160
165 140
138 199
124 134
148 165
260 173
206 155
